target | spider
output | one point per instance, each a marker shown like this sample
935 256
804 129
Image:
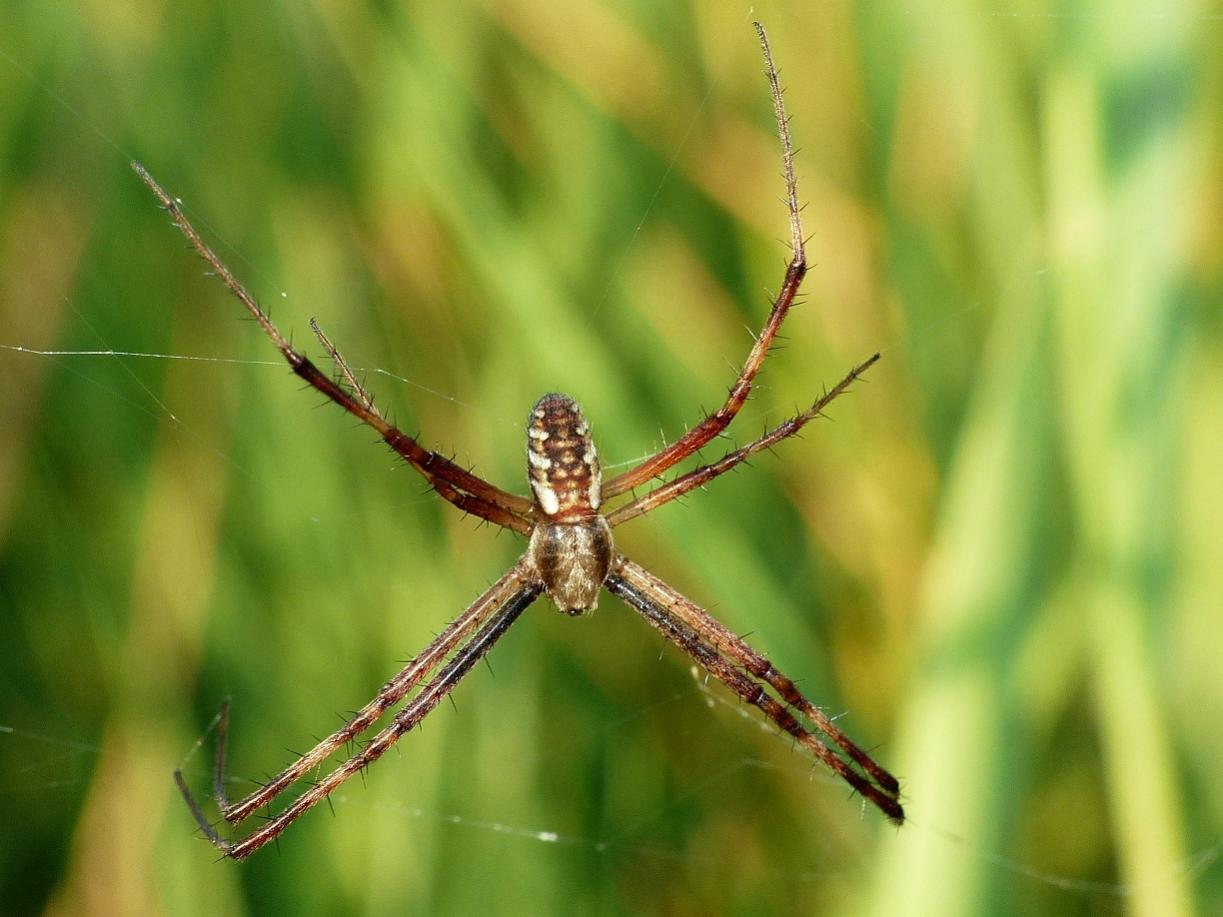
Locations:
570 555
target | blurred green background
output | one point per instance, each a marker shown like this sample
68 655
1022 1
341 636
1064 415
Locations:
1001 558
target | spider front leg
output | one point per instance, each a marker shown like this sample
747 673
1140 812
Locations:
796 270
473 633
391 693
731 645
657 603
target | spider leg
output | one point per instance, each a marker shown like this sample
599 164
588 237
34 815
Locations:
713 424
346 373
657 604
698 477
462 488
466 502
730 644
390 694
515 590
504 615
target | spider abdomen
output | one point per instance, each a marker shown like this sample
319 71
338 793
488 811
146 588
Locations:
562 463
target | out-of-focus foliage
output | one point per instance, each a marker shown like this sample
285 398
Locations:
1002 558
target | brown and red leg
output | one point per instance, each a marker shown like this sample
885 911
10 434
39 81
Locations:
457 485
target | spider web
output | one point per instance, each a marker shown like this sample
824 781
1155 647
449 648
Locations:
54 765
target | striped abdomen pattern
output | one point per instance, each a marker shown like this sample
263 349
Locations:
562 463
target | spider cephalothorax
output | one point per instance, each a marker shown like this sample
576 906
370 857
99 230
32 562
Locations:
571 544
571 555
